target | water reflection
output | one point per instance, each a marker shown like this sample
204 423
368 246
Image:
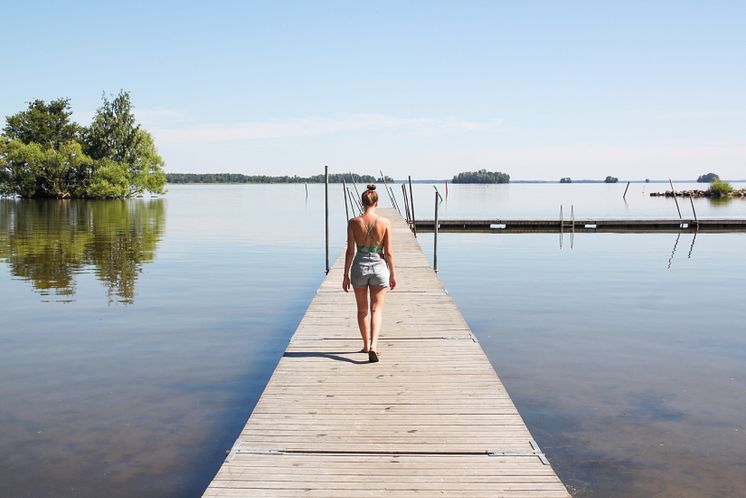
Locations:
676 244
49 242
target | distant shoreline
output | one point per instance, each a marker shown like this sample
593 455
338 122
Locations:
429 181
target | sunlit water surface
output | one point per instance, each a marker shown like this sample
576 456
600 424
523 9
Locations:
138 335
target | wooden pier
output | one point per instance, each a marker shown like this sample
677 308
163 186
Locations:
555 225
430 419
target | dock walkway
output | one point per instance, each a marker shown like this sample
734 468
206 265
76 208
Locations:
430 419
555 225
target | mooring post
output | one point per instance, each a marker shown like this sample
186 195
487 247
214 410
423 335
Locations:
694 211
673 191
344 194
625 191
406 205
435 232
411 199
326 213
572 217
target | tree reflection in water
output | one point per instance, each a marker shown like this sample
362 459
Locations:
47 242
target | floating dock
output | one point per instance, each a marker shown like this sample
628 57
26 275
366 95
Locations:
430 419
585 225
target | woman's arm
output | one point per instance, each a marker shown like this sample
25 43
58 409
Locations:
388 253
349 253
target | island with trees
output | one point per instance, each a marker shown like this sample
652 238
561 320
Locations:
44 154
611 179
241 178
707 178
566 179
481 176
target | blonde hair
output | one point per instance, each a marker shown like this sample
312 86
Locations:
370 196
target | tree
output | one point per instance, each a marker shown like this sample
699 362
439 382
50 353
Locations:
611 179
708 178
48 125
566 179
44 154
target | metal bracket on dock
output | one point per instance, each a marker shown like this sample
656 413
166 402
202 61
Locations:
535 452
231 452
258 451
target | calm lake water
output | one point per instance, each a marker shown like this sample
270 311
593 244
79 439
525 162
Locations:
138 335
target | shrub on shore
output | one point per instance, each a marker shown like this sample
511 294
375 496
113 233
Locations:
720 188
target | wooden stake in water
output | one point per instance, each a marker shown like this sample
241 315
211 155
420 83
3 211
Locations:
306 190
674 197
435 232
344 194
446 190
326 213
694 211
411 200
625 191
406 204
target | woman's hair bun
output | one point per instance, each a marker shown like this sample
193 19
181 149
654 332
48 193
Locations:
371 187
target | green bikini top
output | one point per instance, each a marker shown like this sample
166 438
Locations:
362 247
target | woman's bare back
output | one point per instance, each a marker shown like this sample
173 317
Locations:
377 225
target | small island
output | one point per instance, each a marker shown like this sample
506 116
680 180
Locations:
481 176
44 154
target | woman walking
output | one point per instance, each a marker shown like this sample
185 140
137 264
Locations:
371 269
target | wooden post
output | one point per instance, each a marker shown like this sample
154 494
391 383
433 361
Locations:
406 205
354 201
344 194
326 213
625 191
435 231
572 217
674 197
411 200
354 185
694 211
393 199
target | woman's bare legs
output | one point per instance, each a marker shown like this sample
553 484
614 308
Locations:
376 308
361 297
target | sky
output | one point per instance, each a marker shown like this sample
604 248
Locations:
539 90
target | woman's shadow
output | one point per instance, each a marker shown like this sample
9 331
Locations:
332 355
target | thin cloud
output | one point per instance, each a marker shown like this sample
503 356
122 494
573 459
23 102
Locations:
307 127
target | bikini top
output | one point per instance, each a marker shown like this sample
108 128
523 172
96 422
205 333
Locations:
362 247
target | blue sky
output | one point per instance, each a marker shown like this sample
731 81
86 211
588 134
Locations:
536 89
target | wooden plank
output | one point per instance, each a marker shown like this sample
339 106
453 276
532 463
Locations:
431 418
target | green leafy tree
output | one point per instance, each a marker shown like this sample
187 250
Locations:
44 154
30 170
47 124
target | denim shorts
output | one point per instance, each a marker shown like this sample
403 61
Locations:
369 268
